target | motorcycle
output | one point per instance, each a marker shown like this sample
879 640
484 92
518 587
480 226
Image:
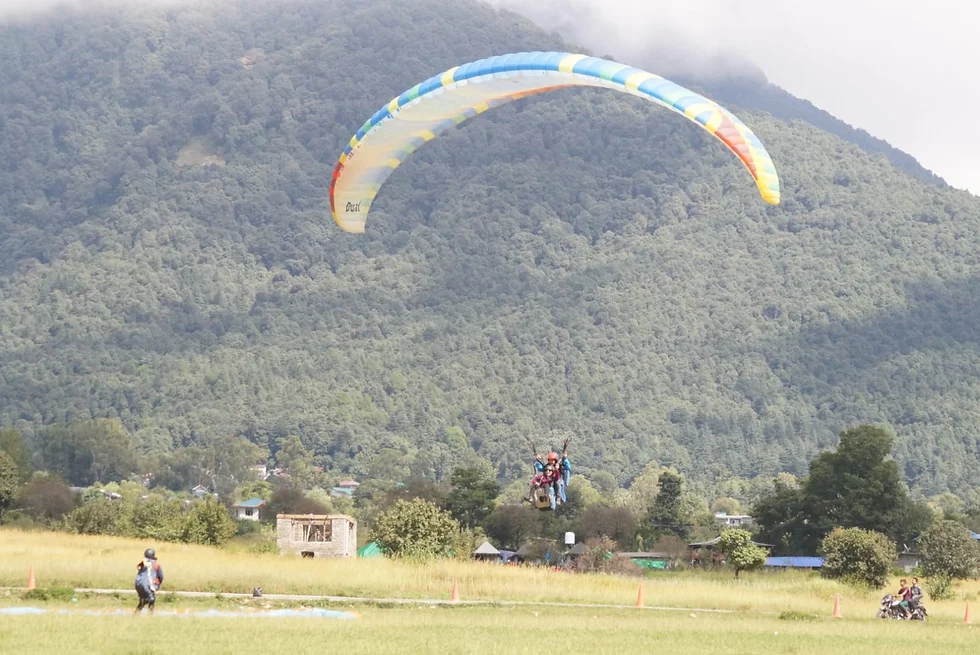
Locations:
891 609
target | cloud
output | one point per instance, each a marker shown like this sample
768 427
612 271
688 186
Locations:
20 9
901 69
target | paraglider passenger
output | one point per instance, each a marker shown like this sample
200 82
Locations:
149 577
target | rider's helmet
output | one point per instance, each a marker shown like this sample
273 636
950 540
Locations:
552 457
149 553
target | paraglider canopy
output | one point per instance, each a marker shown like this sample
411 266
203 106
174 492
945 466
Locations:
430 108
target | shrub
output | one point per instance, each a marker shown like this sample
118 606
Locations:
940 587
209 524
858 556
415 528
96 517
949 550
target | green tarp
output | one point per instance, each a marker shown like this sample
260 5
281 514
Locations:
369 550
651 564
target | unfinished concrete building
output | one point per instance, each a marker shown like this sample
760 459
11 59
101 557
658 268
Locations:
316 535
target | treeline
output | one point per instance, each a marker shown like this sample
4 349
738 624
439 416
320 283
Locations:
168 262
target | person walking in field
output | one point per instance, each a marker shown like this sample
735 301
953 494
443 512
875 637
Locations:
149 577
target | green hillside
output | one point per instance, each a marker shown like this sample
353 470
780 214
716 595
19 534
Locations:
582 261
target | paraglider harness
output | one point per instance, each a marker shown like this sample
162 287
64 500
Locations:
148 580
549 479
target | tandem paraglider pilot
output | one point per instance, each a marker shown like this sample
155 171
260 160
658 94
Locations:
149 577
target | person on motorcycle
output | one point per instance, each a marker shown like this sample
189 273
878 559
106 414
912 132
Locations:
916 592
905 594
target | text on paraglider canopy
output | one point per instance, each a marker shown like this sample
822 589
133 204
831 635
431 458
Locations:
352 207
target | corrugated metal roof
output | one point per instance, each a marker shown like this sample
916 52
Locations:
251 502
795 562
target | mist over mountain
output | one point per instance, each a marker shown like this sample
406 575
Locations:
725 75
582 261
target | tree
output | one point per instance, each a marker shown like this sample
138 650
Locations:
665 513
9 481
510 526
740 553
778 517
852 486
948 550
290 500
472 496
294 458
46 497
208 523
12 442
616 523
728 506
86 452
256 489
415 528
855 486
415 487
858 556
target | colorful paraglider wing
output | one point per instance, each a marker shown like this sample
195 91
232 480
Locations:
428 109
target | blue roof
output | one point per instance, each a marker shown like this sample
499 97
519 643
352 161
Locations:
974 534
795 562
251 502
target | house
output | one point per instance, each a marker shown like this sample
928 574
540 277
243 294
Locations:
348 484
200 491
486 553
248 510
261 471
734 520
316 535
341 492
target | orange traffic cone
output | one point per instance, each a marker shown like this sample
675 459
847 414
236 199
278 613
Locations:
837 614
455 594
966 617
639 596
30 578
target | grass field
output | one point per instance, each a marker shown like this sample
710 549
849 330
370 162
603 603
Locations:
778 613
478 630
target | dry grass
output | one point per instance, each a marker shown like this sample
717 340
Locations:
109 562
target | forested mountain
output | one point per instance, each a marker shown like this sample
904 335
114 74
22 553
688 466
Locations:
580 261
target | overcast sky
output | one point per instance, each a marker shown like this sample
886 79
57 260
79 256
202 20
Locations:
904 70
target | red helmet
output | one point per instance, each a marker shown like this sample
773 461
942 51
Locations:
552 457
